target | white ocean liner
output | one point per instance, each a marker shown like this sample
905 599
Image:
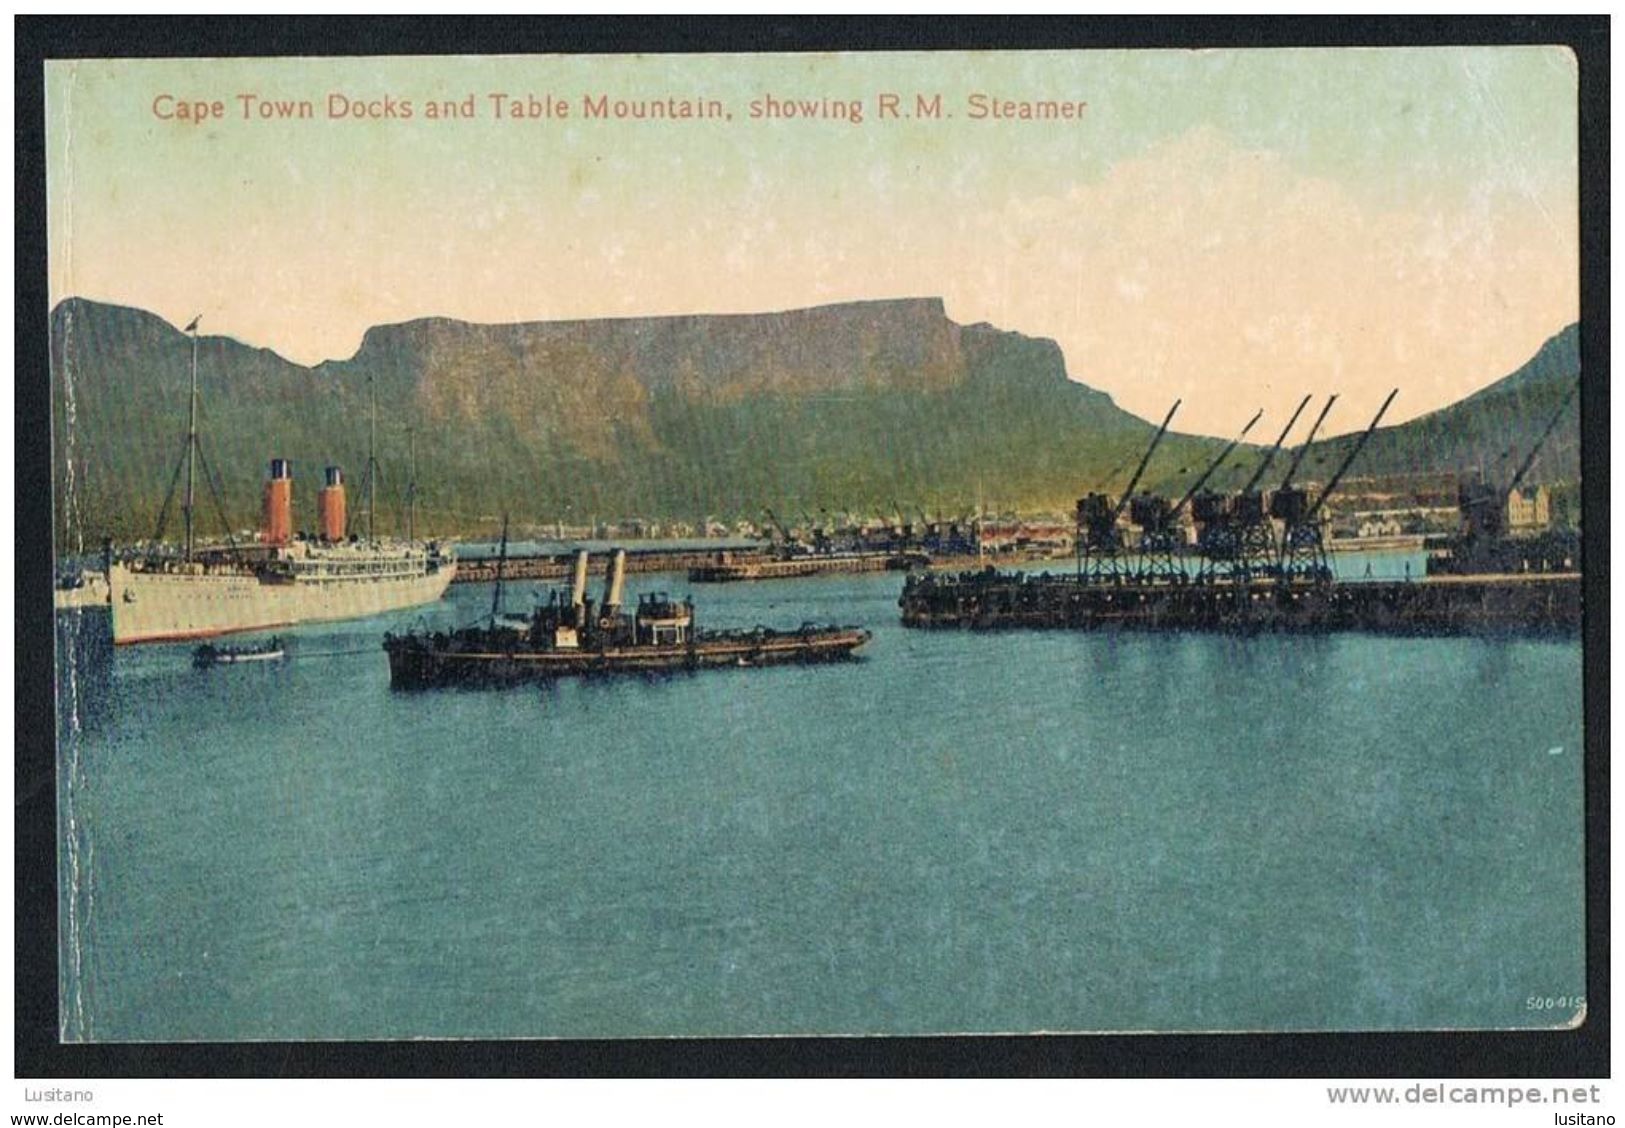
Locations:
218 592
282 580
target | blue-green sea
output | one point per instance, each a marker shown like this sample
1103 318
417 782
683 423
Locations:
962 832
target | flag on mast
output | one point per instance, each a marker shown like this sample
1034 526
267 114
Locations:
193 326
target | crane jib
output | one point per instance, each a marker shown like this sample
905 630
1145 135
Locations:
1297 459
1551 425
1216 463
1144 460
1269 457
1352 455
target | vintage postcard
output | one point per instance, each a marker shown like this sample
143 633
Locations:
566 547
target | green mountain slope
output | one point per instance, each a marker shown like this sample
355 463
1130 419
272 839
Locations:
860 406
1494 428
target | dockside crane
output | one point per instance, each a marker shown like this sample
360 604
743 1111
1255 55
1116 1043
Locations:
1546 433
1287 501
1286 488
1100 544
944 536
1161 541
929 538
787 543
903 532
1483 505
1486 544
820 531
1233 535
1269 455
1303 541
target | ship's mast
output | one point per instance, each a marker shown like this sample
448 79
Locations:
502 560
981 514
191 440
372 461
411 483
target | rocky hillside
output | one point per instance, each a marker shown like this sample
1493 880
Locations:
859 406
865 406
1494 429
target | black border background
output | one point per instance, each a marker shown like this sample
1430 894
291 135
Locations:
1578 1053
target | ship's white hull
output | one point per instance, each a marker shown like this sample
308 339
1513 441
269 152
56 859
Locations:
156 606
91 593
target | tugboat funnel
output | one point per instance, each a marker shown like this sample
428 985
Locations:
578 583
614 588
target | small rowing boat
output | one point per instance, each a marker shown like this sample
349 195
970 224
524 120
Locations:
207 655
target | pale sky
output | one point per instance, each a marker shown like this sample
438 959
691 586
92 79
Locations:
1233 227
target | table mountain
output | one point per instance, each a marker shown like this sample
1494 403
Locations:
864 406
861 406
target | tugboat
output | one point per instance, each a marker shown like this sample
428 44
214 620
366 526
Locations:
568 636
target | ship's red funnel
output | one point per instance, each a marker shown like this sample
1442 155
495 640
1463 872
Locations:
276 525
330 506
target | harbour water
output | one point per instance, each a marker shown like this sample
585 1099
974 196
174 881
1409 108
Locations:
960 833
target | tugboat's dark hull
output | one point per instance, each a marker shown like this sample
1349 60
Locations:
422 661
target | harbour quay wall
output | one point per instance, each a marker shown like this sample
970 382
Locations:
769 569
816 564
1437 605
557 566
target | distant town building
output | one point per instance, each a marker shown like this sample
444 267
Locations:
1397 491
1380 527
1409 521
1529 510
